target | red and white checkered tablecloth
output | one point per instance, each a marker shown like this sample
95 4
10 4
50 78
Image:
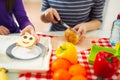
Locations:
83 55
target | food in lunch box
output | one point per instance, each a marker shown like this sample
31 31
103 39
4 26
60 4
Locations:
27 41
71 36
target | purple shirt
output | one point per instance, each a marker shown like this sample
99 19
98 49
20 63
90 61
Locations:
7 19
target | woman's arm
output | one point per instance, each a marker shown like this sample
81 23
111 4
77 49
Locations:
91 25
82 28
95 18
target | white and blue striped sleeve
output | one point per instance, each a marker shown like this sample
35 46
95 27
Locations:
45 5
97 10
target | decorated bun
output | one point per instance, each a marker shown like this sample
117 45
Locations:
27 41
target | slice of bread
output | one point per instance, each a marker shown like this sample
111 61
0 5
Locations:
27 41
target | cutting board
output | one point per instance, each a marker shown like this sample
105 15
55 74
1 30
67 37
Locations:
40 64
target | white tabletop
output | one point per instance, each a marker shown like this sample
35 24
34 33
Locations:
14 75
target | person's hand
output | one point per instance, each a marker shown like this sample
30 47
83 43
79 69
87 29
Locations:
81 30
52 15
4 30
29 29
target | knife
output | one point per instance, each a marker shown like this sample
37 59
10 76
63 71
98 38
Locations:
63 24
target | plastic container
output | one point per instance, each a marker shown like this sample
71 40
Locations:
95 49
115 31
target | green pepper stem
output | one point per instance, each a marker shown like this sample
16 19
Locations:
109 59
62 48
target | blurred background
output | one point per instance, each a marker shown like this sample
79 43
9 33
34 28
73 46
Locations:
32 8
111 10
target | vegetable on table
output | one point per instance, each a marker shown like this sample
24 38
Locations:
3 75
67 51
105 64
72 36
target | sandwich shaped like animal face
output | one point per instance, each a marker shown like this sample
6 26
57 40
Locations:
27 40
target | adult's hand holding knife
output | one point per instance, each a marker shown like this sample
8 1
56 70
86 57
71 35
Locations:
70 34
66 26
51 15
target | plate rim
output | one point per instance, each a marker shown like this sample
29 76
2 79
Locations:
9 50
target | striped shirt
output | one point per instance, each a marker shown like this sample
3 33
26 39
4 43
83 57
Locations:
73 12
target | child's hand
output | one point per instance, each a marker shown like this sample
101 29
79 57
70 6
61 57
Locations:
4 30
52 15
28 29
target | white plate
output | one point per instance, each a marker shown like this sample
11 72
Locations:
21 53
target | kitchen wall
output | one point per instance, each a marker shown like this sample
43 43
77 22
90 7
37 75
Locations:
111 10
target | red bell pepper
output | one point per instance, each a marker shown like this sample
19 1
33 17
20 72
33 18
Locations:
105 64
